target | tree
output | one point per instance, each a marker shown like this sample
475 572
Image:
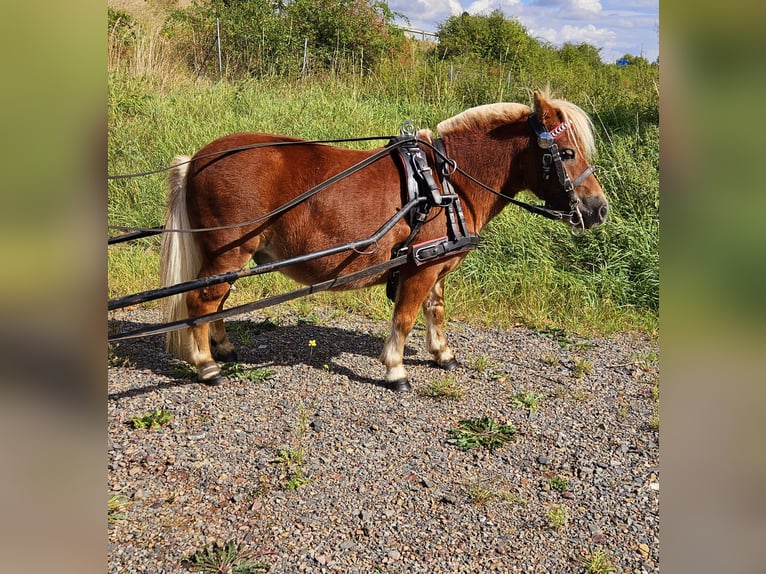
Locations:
491 37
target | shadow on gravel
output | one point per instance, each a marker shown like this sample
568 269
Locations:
260 344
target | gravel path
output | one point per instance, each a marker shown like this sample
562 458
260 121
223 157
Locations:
381 486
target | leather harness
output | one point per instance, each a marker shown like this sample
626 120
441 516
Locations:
420 182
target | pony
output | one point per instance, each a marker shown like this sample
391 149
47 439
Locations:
226 207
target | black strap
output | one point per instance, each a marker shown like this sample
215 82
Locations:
261 303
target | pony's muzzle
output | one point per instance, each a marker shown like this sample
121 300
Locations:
593 210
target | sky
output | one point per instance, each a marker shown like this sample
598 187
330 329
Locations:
617 27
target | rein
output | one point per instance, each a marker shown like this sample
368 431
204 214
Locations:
138 232
545 140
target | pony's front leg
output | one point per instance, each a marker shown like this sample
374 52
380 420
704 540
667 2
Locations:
436 343
202 302
411 293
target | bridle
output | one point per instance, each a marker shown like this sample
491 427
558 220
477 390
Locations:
553 157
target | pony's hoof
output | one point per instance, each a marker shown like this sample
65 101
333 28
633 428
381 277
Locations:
210 375
226 357
400 386
450 366
214 381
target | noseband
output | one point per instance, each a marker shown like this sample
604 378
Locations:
554 156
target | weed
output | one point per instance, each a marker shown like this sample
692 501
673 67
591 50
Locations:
581 396
558 483
114 360
481 363
480 495
312 346
441 388
247 374
483 492
557 334
580 367
181 370
598 562
116 504
529 400
229 558
243 333
293 458
551 359
558 516
153 420
484 432
646 360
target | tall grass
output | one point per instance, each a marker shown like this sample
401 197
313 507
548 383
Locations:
527 269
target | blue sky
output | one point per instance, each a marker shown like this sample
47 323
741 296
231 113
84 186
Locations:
617 27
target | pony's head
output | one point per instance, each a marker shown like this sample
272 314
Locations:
562 140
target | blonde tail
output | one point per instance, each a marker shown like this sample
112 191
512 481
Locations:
179 259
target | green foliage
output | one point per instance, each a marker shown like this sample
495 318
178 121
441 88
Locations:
264 38
230 558
558 516
481 432
336 29
241 372
441 388
491 37
558 483
529 400
153 420
122 28
116 505
598 562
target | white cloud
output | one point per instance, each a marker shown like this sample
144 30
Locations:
487 6
600 37
586 7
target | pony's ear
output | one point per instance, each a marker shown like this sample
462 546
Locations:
544 110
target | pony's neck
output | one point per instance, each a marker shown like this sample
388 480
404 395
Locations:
497 163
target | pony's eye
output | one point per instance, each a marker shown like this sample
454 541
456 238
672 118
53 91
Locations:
567 154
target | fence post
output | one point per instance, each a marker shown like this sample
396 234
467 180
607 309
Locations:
218 36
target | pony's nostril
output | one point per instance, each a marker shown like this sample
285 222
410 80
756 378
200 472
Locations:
602 211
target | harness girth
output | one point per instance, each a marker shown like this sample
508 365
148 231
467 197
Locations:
420 182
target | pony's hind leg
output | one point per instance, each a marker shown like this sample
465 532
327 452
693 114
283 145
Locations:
223 350
436 343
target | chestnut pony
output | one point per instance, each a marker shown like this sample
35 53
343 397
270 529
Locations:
496 145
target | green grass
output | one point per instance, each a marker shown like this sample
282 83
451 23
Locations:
481 432
116 505
241 372
231 557
441 388
598 562
527 269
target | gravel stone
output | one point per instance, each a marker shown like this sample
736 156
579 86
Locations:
382 487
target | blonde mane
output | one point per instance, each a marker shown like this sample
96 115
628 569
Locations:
489 116
484 117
